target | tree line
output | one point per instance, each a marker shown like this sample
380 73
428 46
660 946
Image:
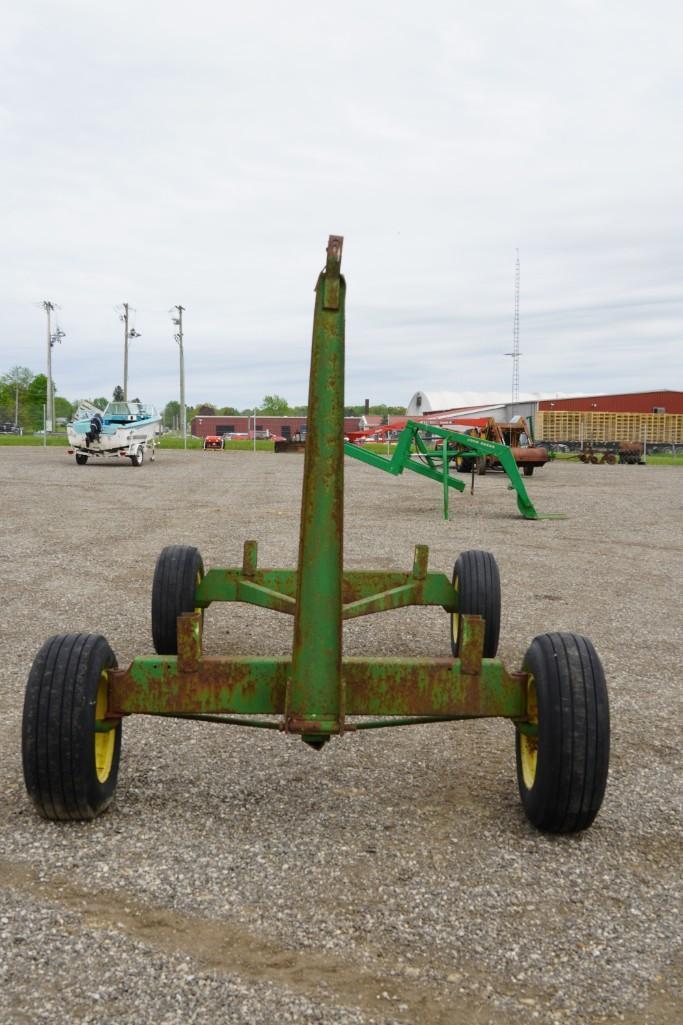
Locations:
270 405
23 396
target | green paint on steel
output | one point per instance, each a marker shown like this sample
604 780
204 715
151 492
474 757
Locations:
362 593
316 652
372 687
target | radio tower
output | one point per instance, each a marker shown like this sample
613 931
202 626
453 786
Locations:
515 338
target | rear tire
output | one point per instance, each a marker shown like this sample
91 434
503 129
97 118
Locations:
528 471
481 465
81 458
562 772
477 581
178 572
70 770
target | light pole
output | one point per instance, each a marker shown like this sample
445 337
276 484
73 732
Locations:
56 337
49 307
178 321
132 333
51 340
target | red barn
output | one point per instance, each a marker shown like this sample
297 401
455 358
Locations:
627 402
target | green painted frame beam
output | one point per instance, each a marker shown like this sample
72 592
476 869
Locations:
427 687
363 593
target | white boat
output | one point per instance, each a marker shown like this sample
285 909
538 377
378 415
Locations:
123 430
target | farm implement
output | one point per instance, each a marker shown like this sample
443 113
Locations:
77 699
413 453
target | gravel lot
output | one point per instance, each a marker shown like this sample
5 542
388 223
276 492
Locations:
240 876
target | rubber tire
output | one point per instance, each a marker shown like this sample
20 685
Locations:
479 594
573 734
528 471
58 736
81 458
175 581
481 465
463 464
139 457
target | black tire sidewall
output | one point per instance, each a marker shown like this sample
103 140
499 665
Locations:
173 591
573 734
479 594
58 728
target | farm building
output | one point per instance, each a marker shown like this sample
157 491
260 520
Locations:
652 417
265 426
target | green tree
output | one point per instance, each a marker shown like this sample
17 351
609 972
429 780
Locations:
63 408
117 394
14 386
205 409
274 405
101 402
228 411
171 414
36 399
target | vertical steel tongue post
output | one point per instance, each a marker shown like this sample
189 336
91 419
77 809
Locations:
315 705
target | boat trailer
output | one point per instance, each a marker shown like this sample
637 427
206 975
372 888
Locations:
77 699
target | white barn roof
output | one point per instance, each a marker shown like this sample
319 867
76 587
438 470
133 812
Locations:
428 401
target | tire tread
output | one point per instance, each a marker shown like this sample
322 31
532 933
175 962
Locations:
173 591
573 753
57 738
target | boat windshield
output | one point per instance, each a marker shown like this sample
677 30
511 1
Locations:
128 411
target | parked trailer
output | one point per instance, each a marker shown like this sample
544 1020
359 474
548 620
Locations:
77 698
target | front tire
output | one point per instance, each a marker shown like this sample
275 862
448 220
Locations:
177 574
562 771
138 458
477 582
528 471
81 458
70 769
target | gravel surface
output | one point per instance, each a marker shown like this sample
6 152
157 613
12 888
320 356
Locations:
242 877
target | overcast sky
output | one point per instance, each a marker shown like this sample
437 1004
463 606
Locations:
163 152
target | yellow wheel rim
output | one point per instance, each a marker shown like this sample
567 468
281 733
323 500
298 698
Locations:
455 618
197 582
104 742
528 746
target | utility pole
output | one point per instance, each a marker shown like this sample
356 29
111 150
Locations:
178 321
132 333
49 421
124 318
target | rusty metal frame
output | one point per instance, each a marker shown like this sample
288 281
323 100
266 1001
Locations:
313 692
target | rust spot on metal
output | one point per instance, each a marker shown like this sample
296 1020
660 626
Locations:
472 644
189 641
250 558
